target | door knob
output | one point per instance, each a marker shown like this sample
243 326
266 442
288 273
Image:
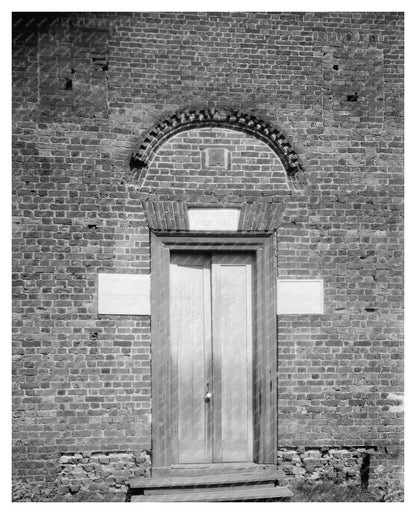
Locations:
208 397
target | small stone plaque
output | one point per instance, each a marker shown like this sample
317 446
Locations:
300 296
213 219
217 158
123 293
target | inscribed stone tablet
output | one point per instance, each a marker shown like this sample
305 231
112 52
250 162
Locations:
123 293
300 296
213 219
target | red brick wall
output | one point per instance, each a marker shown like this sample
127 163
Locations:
86 88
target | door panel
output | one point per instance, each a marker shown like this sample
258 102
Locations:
232 351
211 349
191 357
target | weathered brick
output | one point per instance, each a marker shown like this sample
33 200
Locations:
87 88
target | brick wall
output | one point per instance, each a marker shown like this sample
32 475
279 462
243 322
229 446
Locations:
86 89
249 171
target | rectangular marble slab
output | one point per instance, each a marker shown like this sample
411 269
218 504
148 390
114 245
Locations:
207 219
300 296
123 293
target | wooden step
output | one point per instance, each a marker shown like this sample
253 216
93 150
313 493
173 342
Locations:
235 495
208 480
205 489
177 470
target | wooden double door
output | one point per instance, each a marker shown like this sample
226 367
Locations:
211 318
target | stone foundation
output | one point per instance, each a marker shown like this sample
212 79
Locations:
105 476
324 463
377 469
101 476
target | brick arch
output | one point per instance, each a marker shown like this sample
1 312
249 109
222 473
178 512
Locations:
221 118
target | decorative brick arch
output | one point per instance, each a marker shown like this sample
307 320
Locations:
223 118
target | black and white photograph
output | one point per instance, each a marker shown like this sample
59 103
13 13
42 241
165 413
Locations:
207 262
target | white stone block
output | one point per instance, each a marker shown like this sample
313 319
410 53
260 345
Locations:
207 219
123 293
300 296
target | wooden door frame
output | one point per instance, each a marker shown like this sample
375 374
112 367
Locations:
264 335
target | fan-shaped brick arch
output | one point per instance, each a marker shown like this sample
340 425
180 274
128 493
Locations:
222 118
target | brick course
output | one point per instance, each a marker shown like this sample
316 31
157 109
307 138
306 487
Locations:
87 89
